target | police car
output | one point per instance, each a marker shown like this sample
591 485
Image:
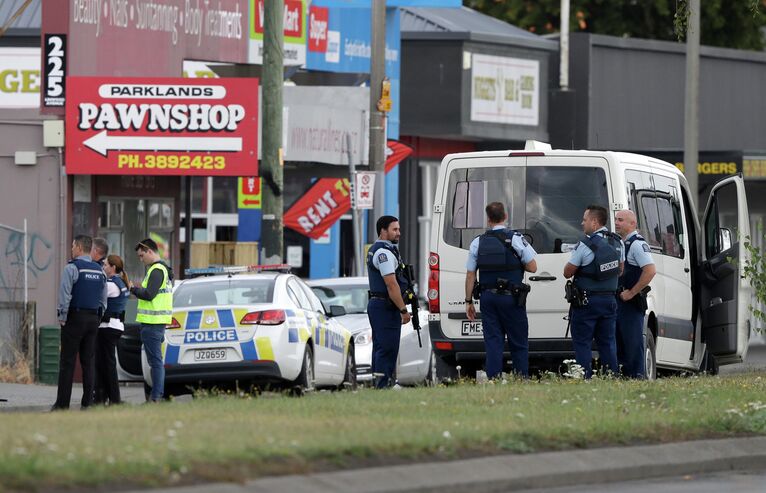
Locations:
253 326
416 364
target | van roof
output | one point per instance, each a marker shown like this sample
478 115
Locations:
618 157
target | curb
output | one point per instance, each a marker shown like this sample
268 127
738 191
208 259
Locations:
518 472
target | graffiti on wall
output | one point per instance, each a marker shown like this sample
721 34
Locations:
39 260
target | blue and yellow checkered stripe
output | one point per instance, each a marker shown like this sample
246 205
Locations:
256 349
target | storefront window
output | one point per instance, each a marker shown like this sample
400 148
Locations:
225 194
199 193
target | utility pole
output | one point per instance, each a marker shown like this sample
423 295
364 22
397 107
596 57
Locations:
377 117
271 169
691 103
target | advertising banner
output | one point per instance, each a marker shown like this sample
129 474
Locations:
320 207
161 126
339 41
294 21
505 90
19 77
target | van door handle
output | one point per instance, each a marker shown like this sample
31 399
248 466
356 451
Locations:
542 278
686 269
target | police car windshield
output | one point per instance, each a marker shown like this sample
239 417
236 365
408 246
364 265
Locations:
351 297
231 291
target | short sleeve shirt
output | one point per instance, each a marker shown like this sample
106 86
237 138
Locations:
518 243
639 254
582 255
384 259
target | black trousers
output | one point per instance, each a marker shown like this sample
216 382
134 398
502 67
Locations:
107 385
77 335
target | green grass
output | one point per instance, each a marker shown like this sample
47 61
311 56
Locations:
235 438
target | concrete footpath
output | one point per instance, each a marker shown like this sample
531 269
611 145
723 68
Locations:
519 472
16 397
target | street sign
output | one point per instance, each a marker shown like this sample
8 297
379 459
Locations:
364 189
161 126
249 192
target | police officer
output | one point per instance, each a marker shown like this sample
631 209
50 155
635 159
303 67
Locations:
386 309
631 303
155 311
501 255
596 264
99 250
82 300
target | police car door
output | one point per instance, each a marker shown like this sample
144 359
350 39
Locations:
335 340
724 294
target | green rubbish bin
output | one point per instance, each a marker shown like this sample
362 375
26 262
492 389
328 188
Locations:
49 341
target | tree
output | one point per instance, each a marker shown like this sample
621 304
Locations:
725 23
755 272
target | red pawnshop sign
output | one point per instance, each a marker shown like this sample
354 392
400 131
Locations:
161 126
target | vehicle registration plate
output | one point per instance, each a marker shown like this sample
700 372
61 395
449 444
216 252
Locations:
471 328
209 354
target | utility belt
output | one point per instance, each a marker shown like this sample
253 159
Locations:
94 311
502 287
377 296
639 300
579 297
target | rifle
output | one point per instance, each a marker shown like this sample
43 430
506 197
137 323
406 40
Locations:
411 299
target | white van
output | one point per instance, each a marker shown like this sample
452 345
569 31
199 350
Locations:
698 305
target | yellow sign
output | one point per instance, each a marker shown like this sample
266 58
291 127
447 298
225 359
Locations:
754 168
384 103
249 192
714 168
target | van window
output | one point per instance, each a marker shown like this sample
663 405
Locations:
671 244
540 200
721 224
468 206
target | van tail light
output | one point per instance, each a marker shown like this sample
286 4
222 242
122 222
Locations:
433 283
268 317
444 346
174 324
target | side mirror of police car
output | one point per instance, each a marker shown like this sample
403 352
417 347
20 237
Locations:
337 311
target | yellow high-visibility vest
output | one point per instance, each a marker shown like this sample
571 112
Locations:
160 309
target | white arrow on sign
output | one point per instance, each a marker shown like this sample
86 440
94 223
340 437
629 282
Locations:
102 143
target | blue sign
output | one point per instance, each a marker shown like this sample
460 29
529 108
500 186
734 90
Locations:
339 41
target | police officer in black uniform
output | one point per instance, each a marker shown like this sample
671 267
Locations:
82 300
631 301
386 309
596 264
501 255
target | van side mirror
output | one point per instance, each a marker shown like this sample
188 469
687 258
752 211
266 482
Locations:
337 311
724 238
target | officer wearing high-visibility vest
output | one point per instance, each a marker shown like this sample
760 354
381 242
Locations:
82 300
631 302
501 256
155 311
386 309
596 264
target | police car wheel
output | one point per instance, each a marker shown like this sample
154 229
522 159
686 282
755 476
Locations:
349 378
650 360
305 381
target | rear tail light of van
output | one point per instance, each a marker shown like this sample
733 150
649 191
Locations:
433 283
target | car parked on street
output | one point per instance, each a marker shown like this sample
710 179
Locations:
415 365
253 329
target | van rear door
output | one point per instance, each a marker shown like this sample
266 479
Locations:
725 295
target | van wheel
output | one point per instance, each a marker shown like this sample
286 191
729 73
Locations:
349 378
650 357
305 381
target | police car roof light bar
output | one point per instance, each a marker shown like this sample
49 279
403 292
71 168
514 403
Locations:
236 269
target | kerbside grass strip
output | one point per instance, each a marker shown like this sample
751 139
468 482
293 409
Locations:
222 437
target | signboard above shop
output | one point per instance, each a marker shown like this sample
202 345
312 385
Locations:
505 90
19 77
161 126
146 38
294 26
